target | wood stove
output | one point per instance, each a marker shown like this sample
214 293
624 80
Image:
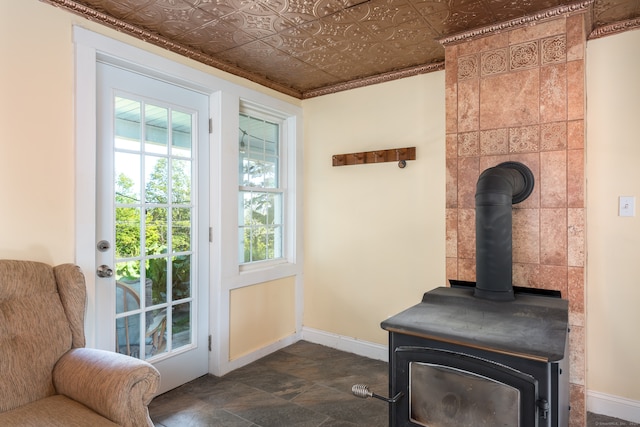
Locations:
455 360
485 353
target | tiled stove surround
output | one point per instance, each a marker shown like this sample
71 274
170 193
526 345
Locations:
518 95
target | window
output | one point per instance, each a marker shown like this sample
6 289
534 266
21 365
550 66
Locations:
261 201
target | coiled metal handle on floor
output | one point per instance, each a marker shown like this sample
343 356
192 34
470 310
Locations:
362 390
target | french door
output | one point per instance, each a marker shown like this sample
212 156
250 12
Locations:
152 223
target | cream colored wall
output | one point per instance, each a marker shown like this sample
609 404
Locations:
261 315
613 242
374 233
36 146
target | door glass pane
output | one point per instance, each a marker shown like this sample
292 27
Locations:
153 221
182 134
156 231
128 335
156 129
181 325
157 274
128 130
440 395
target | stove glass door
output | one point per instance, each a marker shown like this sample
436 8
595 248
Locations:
444 396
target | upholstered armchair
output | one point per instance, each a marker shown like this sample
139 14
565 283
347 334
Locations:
47 377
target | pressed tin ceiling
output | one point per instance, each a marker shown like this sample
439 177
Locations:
306 48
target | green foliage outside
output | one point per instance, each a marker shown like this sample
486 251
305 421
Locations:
128 230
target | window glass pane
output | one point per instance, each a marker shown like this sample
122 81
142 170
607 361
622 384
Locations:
260 202
156 129
128 130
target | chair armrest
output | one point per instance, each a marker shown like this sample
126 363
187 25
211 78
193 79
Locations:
116 386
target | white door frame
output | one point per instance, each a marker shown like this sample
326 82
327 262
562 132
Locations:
224 99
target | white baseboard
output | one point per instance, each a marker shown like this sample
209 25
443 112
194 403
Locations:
613 406
348 344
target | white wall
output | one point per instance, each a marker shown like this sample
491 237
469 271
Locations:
613 242
374 233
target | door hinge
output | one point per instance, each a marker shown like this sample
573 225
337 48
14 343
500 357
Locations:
210 234
209 342
210 125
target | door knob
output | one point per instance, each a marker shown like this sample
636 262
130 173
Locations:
104 271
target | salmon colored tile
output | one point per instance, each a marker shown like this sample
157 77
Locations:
451 65
510 100
553 277
575 178
452 268
576 295
487 162
575 94
553 50
466 233
575 135
468 173
553 93
451 114
526 275
576 355
468 105
553 136
578 412
468 67
452 183
576 237
553 236
524 139
494 142
538 31
482 44
451 246
451 148
467 269
553 179
526 236
576 37
468 144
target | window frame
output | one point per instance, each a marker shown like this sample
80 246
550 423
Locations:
285 122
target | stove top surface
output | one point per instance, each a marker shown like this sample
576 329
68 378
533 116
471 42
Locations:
532 326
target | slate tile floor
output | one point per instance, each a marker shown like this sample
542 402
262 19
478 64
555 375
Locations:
303 385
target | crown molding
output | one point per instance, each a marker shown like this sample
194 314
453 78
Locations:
615 28
554 12
379 78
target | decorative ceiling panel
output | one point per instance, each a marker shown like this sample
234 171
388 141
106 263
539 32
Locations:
308 48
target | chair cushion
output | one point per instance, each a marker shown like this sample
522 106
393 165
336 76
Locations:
34 332
54 411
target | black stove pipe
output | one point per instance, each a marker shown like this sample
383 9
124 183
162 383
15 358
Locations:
496 190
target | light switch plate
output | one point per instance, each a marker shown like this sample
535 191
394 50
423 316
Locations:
627 206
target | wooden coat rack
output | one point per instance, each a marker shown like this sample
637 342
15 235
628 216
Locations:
400 155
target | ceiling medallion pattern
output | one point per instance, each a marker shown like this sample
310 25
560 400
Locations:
307 48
